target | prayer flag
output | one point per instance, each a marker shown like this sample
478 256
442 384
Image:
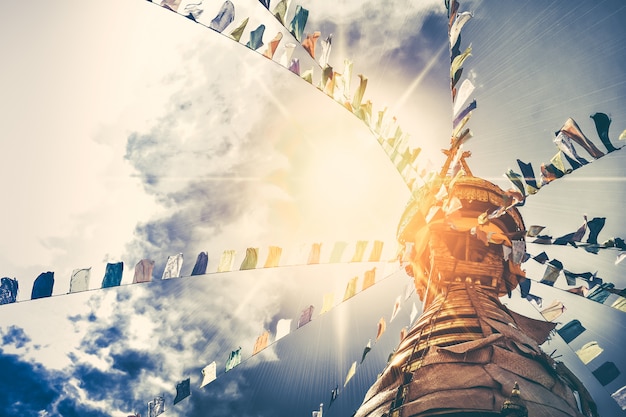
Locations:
305 316
42 287
606 373
283 327
309 43
224 17
193 10
273 257
183 390
529 176
524 286
256 38
536 299
464 113
459 22
382 326
209 374
238 31
202 261
171 4
173 266
318 413
273 45
314 255
251 259
143 271
589 351
265 3
156 406
465 91
602 122
366 350
358 95
261 342
298 22
377 251
553 269
338 248
457 62
553 311
620 397
361 245
234 359
327 303
601 292
571 129
226 261
79 280
396 308
369 278
564 143
595 226
350 288
8 290
113 274
280 10
326 46
350 374
333 395
571 330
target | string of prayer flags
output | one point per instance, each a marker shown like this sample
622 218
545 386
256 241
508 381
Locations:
209 374
183 391
173 266
112 274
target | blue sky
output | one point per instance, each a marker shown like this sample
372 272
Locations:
134 132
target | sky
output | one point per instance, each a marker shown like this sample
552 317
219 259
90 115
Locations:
132 132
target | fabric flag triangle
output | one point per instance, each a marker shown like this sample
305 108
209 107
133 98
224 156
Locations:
327 303
309 43
361 245
414 313
294 66
143 271
314 255
209 374
350 288
298 22
283 327
382 326
113 275
565 145
396 308
541 258
226 261
369 278
173 266
571 330
602 122
183 390
305 316
156 406
202 262
350 373
620 397
234 359
529 176
42 287
8 290
238 31
457 62
285 58
224 17
553 311
273 257
551 273
251 259
273 45
80 280
265 3
366 350
464 113
606 373
261 342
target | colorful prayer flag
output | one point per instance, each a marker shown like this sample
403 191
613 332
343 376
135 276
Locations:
209 374
183 390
